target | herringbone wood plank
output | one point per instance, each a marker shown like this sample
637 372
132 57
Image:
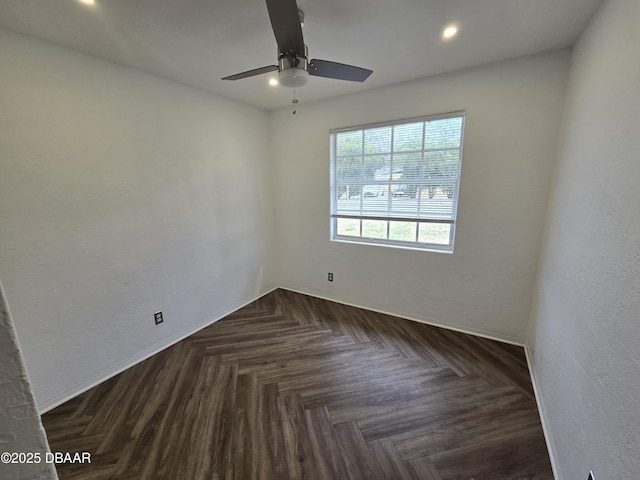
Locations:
294 387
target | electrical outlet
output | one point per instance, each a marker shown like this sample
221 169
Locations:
591 476
158 317
330 277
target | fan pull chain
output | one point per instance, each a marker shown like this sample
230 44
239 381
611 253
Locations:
294 101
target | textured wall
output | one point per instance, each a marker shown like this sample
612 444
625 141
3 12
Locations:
121 194
513 113
584 341
20 427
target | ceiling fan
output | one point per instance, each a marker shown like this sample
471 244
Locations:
293 66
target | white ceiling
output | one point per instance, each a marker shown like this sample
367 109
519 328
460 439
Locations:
196 42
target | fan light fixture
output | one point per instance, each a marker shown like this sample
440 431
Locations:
293 77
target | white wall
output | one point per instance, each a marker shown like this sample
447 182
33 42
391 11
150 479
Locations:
513 114
20 426
584 340
122 194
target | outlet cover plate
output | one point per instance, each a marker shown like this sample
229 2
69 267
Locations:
158 318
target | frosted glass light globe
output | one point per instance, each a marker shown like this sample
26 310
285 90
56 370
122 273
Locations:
293 77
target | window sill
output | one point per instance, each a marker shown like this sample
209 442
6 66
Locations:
398 246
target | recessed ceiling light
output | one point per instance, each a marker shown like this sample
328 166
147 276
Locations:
273 82
449 32
88 2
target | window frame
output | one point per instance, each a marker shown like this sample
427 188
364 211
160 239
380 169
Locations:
404 244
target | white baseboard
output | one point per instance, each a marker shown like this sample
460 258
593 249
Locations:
543 417
53 402
426 321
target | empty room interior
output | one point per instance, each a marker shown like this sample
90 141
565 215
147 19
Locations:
418 258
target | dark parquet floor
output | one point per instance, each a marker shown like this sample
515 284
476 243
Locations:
295 387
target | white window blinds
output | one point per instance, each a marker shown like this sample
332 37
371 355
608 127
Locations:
401 172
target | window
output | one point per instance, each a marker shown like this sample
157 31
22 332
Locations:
397 183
